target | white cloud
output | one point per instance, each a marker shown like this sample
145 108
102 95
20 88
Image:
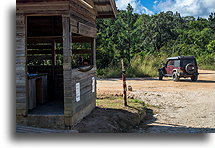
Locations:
136 4
201 8
155 2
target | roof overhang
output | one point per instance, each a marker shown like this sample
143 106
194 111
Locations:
105 8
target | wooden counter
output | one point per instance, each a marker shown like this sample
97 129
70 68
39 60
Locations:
37 85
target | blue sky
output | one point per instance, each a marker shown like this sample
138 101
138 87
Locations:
196 8
148 3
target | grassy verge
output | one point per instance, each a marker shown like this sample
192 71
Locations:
207 67
139 67
147 67
117 102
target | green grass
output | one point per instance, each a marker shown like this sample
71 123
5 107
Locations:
109 72
139 67
116 102
207 67
148 66
206 62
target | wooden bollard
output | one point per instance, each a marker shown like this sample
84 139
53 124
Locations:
124 88
124 84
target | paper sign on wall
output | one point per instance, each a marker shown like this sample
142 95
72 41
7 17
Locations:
78 92
93 84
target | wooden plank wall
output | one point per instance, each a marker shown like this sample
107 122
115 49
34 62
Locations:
86 94
86 30
47 7
76 18
87 81
83 18
82 22
21 79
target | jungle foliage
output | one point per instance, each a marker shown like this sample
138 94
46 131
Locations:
144 41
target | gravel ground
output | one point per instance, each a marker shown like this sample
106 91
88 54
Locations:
176 107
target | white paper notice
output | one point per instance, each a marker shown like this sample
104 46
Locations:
78 92
93 84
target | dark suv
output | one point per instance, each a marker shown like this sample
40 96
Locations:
180 67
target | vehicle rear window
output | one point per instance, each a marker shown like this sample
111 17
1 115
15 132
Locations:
177 63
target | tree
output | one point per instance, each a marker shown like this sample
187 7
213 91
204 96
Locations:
164 34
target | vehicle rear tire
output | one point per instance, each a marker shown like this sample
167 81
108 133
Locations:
194 78
160 75
175 77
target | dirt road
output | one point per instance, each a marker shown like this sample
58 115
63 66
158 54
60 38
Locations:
176 107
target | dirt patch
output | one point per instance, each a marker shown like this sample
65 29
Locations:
112 117
178 107
108 121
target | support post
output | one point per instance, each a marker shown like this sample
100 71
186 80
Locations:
94 51
53 53
21 67
124 84
53 67
67 72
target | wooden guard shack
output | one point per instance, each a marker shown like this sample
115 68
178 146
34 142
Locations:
56 60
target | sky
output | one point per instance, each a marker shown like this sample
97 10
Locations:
196 8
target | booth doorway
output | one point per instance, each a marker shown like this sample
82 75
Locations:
45 65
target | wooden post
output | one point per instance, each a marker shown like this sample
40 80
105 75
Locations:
67 66
21 68
124 84
53 53
66 43
67 72
93 47
53 68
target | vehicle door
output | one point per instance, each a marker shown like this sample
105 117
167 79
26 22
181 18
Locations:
170 67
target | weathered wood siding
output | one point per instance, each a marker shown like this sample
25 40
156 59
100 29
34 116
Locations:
86 94
83 18
79 20
87 97
47 7
21 79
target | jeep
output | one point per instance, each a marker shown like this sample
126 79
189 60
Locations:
179 67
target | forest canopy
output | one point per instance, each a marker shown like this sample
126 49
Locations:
144 41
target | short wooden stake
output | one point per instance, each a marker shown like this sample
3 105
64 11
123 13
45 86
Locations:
124 84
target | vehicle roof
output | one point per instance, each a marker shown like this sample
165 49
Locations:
181 57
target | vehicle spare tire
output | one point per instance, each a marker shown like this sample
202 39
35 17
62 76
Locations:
190 68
